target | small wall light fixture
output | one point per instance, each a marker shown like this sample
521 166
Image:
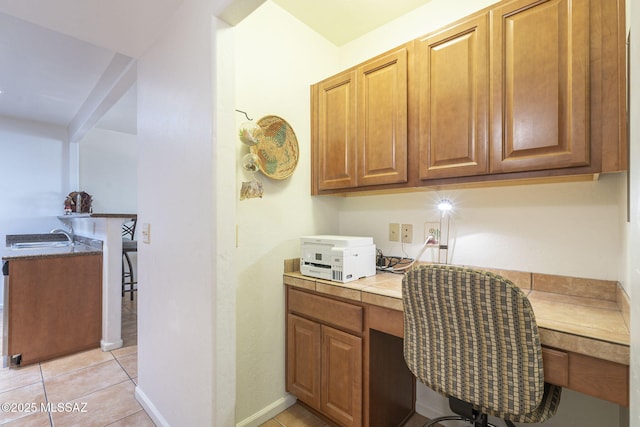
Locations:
445 207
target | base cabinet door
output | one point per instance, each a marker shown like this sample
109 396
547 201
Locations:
54 307
341 396
324 369
303 359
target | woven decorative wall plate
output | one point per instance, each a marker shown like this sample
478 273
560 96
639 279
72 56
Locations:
277 151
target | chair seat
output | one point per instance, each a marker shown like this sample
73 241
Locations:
546 409
129 245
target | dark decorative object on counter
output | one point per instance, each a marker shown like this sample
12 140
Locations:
78 202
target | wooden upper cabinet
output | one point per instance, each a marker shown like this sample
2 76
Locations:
453 100
382 119
523 89
540 85
334 163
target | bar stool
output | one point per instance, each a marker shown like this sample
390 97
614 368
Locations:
472 336
129 245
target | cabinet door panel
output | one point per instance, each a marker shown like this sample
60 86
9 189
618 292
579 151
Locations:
342 376
540 63
382 120
335 154
54 306
453 81
303 359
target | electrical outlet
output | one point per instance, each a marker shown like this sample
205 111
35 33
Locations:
407 233
394 232
432 228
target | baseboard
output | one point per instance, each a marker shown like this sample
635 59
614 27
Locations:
428 411
150 408
268 412
108 346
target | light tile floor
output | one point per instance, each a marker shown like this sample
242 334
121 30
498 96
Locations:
96 389
92 388
298 416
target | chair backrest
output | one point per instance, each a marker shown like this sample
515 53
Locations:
472 335
129 229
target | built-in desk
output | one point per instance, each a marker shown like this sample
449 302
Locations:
583 327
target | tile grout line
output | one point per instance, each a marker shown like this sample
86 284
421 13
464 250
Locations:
76 370
46 396
125 371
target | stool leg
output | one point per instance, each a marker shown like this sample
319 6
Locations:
131 281
123 274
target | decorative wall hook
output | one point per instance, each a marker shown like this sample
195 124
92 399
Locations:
245 114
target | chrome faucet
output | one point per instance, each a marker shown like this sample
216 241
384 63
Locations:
68 234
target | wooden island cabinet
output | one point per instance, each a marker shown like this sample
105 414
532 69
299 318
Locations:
524 89
53 306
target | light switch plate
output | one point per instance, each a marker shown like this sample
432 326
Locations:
394 232
146 233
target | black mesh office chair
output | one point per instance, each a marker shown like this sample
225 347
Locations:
129 245
472 336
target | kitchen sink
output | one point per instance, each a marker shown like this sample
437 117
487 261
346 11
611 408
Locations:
33 245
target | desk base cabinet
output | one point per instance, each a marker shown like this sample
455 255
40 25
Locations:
324 364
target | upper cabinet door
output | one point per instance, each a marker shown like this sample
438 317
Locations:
335 128
540 85
453 101
382 119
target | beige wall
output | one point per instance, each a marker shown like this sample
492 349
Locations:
276 60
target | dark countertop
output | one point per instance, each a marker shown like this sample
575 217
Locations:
82 246
98 215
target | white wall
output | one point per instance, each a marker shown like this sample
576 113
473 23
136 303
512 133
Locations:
569 229
108 170
34 177
179 350
277 58
633 230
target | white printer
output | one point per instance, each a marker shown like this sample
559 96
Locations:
337 258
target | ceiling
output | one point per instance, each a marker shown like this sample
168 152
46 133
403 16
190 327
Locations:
341 21
70 64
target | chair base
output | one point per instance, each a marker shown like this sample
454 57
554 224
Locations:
459 418
466 412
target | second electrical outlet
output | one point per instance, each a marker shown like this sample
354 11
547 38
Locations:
406 233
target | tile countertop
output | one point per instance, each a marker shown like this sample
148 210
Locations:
579 315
